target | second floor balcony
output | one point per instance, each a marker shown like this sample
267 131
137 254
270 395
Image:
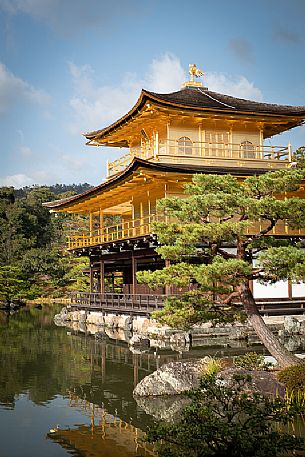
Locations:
185 151
137 228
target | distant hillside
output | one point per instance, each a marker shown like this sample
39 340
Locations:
57 189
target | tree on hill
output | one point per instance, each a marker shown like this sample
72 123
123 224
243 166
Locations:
24 223
57 189
32 240
219 214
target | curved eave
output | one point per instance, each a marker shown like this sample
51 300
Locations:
127 174
135 110
294 119
59 205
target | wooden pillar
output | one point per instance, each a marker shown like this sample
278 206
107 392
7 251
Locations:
91 226
101 226
102 277
133 229
91 278
290 289
112 282
134 274
156 148
141 219
289 152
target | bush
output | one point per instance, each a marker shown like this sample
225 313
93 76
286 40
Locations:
212 366
252 361
225 420
293 378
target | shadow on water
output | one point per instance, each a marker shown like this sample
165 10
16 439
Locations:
53 375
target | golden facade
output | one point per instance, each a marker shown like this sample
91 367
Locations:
166 139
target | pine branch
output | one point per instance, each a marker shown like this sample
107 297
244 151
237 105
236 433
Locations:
225 254
229 298
262 232
225 219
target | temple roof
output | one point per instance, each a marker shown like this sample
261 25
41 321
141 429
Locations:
203 100
140 164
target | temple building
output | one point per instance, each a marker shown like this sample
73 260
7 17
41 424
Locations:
169 138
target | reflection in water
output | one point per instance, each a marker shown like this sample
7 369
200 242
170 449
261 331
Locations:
53 375
41 364
112 436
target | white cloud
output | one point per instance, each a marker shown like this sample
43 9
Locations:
237 87
14 90
96 106
165 74
18 180
40 177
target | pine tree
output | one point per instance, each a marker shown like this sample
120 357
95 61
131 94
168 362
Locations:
211 238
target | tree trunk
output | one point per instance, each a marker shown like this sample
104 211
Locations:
276 349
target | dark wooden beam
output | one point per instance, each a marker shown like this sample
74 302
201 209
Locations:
102 276
91 278
134 274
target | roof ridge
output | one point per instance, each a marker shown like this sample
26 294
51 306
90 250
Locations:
215 99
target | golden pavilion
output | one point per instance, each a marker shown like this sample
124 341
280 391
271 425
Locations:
169 138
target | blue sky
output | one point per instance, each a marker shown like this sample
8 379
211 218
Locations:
71 66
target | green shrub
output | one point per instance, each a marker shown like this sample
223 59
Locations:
293 378
212 366
252 361
224 419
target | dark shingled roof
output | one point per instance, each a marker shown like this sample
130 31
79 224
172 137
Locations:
155 166
202 99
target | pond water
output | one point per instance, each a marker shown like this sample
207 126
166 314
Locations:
65 393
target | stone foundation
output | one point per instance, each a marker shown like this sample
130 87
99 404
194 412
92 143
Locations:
123 327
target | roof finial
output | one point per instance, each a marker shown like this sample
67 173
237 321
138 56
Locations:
194 73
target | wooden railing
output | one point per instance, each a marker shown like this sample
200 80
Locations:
123 303
125 230
121 163
143 226
205 150
144 304
224 150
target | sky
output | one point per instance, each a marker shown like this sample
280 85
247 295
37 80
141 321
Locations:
73 66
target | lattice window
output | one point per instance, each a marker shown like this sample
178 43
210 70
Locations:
185 146
248 150
216 143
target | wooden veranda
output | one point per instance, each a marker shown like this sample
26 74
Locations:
142 304
145 304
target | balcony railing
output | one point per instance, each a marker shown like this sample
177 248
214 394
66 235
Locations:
122 231
143 226
120 164
170 149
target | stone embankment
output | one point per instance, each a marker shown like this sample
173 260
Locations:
141 332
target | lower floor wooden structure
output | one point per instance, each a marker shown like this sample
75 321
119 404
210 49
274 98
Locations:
142 304
113 273
145 304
